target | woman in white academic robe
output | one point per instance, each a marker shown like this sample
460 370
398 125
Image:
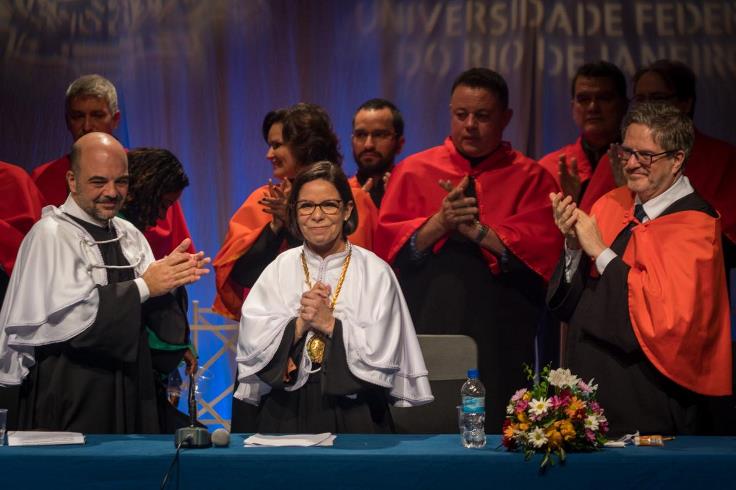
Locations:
326 342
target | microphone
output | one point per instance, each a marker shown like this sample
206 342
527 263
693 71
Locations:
220 438
192 436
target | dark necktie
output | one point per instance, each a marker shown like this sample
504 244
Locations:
619 244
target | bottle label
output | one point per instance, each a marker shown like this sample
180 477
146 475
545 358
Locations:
474 404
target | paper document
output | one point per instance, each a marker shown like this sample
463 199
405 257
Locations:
36 438
303 440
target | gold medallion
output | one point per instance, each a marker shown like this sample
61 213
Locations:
316 349
316 344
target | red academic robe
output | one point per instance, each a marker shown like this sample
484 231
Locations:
163 238
246 226
513 200
20 208
599 180
677 295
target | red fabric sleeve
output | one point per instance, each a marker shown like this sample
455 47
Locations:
20 208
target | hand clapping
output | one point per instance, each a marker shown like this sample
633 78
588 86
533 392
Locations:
456 209
275 203
176 269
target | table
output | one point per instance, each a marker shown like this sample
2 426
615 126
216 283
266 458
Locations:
364 462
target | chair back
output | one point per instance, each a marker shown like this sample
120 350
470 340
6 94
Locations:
448 358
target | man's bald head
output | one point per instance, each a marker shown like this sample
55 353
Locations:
98 179
95 142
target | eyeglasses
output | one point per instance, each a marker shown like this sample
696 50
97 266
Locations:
306 208
377 135
644 158
653 97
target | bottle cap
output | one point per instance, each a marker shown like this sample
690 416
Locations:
473 373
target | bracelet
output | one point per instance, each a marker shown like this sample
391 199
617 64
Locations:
482 232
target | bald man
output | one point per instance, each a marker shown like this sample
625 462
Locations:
85 289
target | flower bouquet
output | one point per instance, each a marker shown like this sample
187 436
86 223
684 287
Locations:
558 414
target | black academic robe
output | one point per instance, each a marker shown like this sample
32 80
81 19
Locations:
601 344
320 405
245 272
102 380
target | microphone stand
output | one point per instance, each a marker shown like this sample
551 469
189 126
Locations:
192 436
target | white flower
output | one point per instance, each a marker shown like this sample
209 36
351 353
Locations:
537 437
562 378
538 407
591 422
510 409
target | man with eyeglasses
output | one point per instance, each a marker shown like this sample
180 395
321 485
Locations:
642 285
599 102
712 164
464 223
378 136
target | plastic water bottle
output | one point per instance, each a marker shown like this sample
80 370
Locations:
473 395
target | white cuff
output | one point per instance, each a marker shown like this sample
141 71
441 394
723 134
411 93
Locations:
142 289
572 259
602 261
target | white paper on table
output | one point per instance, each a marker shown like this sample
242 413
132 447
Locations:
300 440
38 438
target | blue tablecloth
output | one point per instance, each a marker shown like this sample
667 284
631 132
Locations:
364 462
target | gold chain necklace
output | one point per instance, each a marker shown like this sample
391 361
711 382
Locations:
316 344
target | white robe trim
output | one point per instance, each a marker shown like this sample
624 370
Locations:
379 337
52 295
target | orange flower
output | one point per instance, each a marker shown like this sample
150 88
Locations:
575 409
509 430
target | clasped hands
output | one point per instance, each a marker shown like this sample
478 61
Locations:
179 268
275 203
315 312
579 229
458 212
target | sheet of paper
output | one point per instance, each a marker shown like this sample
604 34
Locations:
37 438
301 440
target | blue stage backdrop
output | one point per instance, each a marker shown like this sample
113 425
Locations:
196 77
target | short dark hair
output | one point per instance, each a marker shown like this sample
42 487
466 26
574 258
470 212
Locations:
333 174
378 104
153 173
602 69
679 77
309 135
486 79
273 117
671 129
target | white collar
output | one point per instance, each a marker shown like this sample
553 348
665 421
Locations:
337 256
71 208
656 205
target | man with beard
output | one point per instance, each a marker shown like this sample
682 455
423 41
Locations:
378 136
598 104
92 105
72 322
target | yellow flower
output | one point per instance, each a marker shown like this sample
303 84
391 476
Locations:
527 396
567 430
554 437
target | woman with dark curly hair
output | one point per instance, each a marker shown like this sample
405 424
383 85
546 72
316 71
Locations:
258 231
157 179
